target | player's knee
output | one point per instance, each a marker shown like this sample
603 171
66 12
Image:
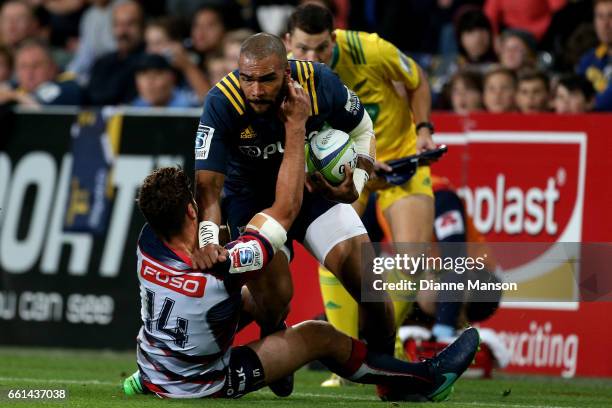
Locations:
318 333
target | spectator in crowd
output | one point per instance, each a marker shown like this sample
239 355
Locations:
231 46
466 92
207 31
156 84
162 37
95 37
574 94
112 75
6 64
533 16
185 9
64 17
517 50
596 65
17 23
217 66
475 39
475 43
499 90
160 34
532 91
581 40
35 72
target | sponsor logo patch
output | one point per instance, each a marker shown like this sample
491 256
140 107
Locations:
449 223
246 256
185 284
248 133
353 105
203 140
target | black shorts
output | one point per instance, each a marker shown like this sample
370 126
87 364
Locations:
245 374
238 209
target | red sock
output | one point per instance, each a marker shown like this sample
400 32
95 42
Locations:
356 359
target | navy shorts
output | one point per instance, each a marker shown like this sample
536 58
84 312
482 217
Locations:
238 209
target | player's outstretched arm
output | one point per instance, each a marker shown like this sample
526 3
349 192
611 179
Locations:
290 182
208 192
273 222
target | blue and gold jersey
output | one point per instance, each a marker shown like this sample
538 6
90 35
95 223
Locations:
596 66
247 147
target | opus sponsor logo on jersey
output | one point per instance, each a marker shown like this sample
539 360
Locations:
32 238
256 152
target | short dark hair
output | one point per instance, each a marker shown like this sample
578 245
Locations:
578 83
213 8
163 200
471 78
498 69
170 25
312 19
469 18
262 45
524 36
35 43
529 74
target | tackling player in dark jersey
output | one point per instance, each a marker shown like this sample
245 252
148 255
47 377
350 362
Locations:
239 146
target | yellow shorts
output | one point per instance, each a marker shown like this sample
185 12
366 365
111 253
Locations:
420 183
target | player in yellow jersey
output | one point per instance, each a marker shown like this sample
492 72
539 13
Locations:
395 93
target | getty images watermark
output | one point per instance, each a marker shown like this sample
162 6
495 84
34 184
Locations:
479 272
410 265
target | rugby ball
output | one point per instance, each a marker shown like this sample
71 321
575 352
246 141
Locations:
328 151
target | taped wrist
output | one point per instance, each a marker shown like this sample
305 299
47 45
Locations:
270 229
363 136
208 233
360 178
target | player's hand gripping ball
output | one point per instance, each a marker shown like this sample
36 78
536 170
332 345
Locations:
328 152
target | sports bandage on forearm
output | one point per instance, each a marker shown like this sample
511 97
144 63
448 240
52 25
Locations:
363 136
360 178
270 229
208 233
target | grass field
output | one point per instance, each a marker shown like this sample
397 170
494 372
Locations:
93 380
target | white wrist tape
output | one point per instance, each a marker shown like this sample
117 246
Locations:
363 136
270 229
360 178
208 233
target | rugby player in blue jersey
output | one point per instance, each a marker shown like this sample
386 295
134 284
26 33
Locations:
238 151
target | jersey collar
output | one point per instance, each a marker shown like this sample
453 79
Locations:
335 56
